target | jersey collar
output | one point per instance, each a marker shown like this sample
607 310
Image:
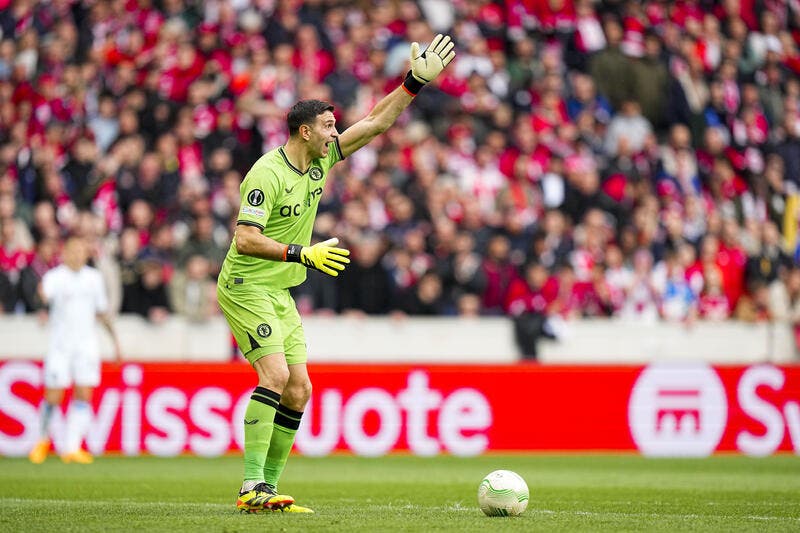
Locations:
288 163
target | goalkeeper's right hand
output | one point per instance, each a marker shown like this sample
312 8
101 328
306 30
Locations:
323 256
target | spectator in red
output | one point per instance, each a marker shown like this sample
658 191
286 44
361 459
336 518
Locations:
712 303
498 272
732 260
533 293
187 68
726 186
589 36
310 59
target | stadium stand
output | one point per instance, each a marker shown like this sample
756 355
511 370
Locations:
580 159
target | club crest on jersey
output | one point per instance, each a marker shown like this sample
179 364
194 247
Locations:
264 330
315 173
255 197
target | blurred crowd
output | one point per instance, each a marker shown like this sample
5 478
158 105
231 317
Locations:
578 158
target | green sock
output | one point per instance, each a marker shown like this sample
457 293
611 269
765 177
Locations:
286 423
258 420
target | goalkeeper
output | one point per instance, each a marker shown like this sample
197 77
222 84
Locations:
270 253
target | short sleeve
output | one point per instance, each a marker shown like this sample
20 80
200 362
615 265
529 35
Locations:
49 284
333 157
259 192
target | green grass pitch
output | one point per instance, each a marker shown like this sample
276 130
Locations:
403 493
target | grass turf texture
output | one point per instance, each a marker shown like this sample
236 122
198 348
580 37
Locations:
402 493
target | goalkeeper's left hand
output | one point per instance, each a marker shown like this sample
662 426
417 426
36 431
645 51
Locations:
323 256
430 63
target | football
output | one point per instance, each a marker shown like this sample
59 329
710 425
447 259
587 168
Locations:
503 493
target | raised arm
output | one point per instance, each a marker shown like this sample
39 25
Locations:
379 119
424 69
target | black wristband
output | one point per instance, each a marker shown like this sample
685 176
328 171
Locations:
293 253
412 84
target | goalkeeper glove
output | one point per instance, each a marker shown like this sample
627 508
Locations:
429 64
323 256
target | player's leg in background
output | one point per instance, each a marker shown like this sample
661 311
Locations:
57 377
78 421
86 376
290 411
52 400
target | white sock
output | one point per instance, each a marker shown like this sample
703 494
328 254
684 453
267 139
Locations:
77 425
250 485
46 412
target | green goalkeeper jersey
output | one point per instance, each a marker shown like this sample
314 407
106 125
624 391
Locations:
281 201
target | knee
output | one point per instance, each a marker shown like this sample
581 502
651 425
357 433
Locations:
305 391
296 395
274 380
83 394
54 396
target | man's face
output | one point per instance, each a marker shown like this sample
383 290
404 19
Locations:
75 253
322 132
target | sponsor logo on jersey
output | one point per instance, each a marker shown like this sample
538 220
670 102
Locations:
295 210
290 210
254 211
316 193
255 197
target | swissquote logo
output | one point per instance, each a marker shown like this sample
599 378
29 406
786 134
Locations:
677 410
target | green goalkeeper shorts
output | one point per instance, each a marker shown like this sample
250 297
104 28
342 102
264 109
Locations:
264 321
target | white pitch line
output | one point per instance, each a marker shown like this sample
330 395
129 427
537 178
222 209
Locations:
690 516
455 507
460 508
83 503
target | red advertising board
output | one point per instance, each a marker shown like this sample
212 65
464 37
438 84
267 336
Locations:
680 409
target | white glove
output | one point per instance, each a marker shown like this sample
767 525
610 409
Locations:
430 63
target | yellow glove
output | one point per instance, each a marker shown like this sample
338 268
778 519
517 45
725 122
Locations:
323 256
429 64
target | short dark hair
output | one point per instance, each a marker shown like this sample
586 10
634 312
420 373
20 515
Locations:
305 112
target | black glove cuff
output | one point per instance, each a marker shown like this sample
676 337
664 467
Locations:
293 253
412 84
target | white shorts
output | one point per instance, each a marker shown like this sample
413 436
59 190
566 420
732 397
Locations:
65 367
